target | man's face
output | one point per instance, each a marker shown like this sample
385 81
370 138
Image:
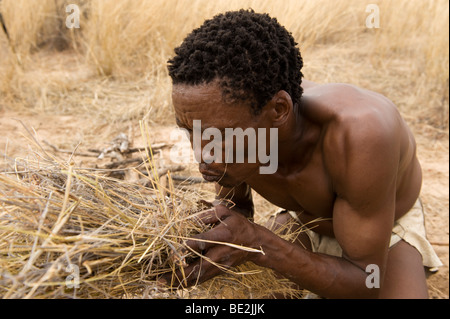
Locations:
202 107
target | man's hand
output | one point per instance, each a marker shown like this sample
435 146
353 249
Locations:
230 227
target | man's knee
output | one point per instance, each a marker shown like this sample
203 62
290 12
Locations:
405 274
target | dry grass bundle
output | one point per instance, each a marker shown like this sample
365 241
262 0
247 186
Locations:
119 236
67 232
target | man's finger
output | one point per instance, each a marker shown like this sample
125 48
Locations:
205 241
185 277
199 271
207 217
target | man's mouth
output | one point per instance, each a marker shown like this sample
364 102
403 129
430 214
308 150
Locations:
211 178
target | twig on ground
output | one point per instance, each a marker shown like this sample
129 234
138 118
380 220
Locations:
124 162
189 179
57 149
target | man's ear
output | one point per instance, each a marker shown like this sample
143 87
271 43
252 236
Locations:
281 108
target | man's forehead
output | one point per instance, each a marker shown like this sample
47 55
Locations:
198 102
204 102
195 93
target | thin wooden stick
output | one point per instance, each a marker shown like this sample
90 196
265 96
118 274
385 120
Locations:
57 149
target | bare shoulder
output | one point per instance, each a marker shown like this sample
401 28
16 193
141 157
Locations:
360 126
367 147
350 109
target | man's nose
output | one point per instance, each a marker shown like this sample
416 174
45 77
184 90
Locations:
202 155
208 157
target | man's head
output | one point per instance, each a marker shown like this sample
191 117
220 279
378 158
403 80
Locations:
239 70
250 54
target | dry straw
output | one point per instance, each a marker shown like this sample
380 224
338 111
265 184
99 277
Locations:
68 232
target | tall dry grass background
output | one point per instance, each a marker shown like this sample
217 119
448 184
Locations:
115 63
112 71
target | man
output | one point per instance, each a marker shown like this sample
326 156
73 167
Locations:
347 166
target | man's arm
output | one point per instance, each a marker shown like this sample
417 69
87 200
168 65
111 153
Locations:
363 165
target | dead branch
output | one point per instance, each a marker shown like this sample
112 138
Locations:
57 149
164 170
155 147
124 162
189 179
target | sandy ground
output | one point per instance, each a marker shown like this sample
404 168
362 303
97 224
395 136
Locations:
66 132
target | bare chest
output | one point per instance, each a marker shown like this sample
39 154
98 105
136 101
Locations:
309 191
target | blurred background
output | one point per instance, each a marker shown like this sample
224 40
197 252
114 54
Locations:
122 47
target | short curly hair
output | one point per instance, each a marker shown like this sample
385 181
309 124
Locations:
250 54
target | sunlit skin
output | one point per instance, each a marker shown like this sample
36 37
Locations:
345 155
